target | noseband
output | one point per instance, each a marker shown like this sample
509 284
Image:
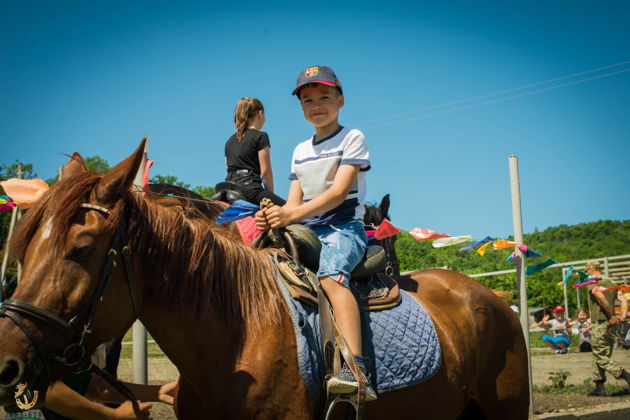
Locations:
75 334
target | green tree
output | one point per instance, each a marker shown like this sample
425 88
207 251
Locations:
204 191
168 179
93 163
97 164
11 171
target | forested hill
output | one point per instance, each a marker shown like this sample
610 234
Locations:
563 243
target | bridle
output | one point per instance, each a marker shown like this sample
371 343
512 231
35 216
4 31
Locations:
389 269
77 330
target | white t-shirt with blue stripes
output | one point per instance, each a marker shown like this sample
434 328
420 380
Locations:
314 164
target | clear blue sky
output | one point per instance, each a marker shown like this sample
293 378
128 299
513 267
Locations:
95 77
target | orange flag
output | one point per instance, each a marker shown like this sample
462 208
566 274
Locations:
502 244
24 192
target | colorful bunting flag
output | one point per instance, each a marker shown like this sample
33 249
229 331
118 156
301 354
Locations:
426 234
533 269
24 192
236 211
624 288
452 240
566 277
502 244
483 241
588 282
385 230
529 253
6 203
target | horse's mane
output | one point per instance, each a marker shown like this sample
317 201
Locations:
188 261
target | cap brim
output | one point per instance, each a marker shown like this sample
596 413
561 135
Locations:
323 82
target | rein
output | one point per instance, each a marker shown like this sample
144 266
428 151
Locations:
74 353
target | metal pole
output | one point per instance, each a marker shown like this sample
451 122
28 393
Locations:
19 216
517 220
606 267
566 300
577 292
19 264
140 361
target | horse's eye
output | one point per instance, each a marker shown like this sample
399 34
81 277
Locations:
80 252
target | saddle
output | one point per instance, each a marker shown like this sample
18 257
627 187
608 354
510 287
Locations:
228 192
299 263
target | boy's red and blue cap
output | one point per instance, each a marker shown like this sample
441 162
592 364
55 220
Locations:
558 309
317 74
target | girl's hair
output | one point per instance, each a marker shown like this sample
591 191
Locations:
583 310
245 110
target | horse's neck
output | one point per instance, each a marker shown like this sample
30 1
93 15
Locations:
211 355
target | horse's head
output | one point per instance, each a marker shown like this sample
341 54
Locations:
70 245
374 215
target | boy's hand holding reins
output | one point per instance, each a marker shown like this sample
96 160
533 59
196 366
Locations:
278 217
261 220
273 217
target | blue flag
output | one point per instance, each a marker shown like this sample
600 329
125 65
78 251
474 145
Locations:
483 241
236 211
533 269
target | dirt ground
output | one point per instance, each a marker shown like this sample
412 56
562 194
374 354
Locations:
543 363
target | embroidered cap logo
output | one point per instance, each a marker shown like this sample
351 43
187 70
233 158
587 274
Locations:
311 71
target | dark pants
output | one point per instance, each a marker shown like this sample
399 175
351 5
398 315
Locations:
251 186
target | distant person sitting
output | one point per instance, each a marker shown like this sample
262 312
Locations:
247 154
560 341
582 327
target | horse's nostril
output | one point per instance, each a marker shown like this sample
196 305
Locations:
9 372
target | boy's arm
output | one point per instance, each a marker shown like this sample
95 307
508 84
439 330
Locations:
328 200
63 400
294 200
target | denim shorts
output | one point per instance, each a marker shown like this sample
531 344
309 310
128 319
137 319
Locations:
343 248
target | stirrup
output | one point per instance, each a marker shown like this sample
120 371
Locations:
351 399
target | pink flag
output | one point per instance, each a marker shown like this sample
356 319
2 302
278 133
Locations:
426 234
24 192
385 230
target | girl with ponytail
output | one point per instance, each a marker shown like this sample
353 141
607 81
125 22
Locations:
247 154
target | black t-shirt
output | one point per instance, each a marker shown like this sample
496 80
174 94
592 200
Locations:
243 154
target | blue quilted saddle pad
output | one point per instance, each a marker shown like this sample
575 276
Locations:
402 344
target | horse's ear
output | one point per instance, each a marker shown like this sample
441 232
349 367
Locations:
74 165
384 206
120 178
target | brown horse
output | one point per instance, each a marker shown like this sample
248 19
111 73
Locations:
214 307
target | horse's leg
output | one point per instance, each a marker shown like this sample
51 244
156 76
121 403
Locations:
483 350
502 385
